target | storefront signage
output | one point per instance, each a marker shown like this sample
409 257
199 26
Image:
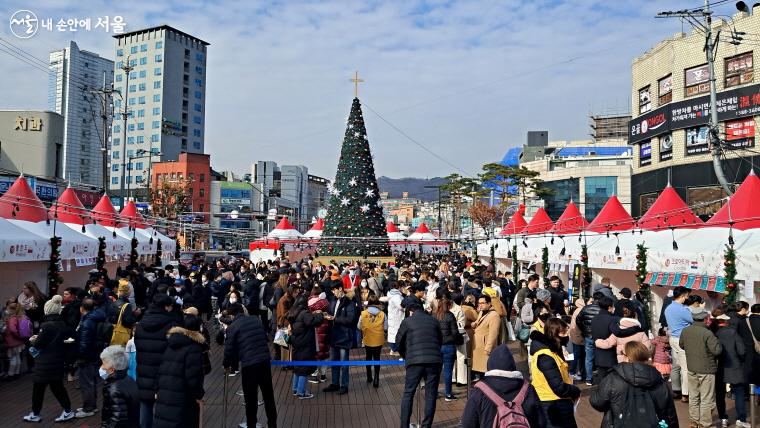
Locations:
731 104
28 124
645 153
666 147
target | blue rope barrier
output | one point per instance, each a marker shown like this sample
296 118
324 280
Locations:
339 363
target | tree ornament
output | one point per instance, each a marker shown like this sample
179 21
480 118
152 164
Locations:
364 208
369 193
344 202
352 182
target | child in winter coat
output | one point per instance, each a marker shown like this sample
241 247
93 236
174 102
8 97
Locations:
661 357
628 320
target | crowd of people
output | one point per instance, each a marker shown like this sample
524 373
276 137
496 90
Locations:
143 335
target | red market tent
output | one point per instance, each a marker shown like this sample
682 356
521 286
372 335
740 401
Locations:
669 210
132 216
742 210
316 230
612 217
284 230
20 202
69 209
571 221
540 223
391 227
105 214
515 225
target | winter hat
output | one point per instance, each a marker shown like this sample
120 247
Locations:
543 294
123 289
698 313
501 359
53 306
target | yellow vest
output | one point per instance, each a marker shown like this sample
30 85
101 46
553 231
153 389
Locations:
373 328
539 382
491 292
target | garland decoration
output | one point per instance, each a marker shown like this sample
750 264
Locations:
515 266
100 262
729 274
133 253
641 274
493 257
545 265
586 276
54 267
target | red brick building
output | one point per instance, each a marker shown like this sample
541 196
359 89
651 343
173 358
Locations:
195 170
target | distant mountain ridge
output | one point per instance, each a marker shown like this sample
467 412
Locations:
415 186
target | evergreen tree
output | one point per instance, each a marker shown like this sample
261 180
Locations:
354 225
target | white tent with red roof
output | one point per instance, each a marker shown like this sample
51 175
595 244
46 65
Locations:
540 223
21 206
669 211
284 230
393 233
316 231
613 217
515 225
134 221
422 233
571 221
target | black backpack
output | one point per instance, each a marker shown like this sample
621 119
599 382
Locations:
639 412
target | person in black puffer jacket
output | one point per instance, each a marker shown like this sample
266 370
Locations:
121 404
49 364
504 379
302 340
180 377
617 393
449 333
151 342
246 343
419 341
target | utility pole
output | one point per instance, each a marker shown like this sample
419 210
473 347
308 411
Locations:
124 116
440 226
711 45
105 95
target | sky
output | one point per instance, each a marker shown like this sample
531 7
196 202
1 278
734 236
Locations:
465 80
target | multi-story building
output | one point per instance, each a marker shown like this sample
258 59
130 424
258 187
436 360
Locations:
285 189
234 206
671 105
194 170
165 94
74 75
586 172
31 142
318 196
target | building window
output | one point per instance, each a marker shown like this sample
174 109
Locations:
138 179
646 201
133 62
705 201
119 52
140 126
190 191
129 179
140 139
154 138
202 192
198 94
199 56
202 178
697 80
597 191
154 150
119 77
141 100
141 113
115 167
131 127
156 124
159 45
133 75
116 142
157 84
197 119
115 155
117 128
114 180
739 69
666 147
196 132
144 60
143 73
120 65
157 98
138 165
144 48
130 153
197 145
156 111
197 107
199 69
141 87
697 140
157 71
132 88
199 83
158 58
130 140
665 89
117 103
201 206
133 50
645 100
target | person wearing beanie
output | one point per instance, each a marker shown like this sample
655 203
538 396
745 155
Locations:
49 364
318 303
503 379
702 349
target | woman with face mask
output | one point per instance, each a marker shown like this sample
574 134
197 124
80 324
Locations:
121 403
550 375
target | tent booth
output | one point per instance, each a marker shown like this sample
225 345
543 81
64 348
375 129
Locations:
285 238
680 249
421 241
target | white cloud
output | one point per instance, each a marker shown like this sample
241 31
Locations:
467 79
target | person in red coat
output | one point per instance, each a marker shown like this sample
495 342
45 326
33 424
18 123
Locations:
352 278
318 302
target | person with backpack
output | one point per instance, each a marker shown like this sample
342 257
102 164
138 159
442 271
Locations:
550 374
48 349
502 398
18 328
634 395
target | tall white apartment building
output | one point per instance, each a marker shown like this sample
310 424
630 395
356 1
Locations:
74 74
165 94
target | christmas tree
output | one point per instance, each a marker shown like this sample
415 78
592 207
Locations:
354 226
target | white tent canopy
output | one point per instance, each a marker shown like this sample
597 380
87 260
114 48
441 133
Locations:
115 246
17 244
74 245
